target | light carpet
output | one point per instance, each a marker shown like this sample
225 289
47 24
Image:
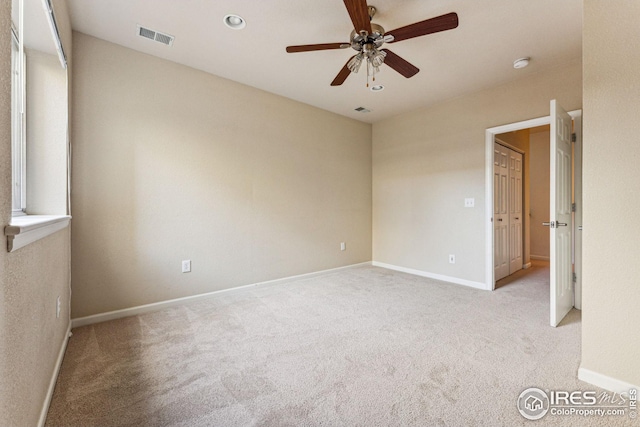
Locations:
360 347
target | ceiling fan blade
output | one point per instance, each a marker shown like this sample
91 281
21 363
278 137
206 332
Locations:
400 65
359 13
312 47
422 28
342 75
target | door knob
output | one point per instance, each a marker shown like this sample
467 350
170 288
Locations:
561 224
500 219
551 224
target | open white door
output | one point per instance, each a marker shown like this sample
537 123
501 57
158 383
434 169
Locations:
560 222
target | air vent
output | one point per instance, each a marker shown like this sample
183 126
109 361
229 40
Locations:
150 34
362 110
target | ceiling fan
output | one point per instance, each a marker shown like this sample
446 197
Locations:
367 38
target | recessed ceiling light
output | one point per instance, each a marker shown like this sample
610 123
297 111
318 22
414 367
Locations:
235 22
521 63
377 88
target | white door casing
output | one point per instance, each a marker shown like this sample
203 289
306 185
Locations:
515 212
500 210
490 138
561 292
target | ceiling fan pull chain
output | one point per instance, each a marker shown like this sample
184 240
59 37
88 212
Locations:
368 72
373 72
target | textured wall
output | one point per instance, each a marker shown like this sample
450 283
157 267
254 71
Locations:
171 163
30 280
425 163
6 378
611 294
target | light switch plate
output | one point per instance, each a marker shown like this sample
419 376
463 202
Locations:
186 266
469 202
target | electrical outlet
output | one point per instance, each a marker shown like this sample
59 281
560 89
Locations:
469 203
186 266
58 306
452 259
343 246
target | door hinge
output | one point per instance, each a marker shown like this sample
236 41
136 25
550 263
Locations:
575 278
573 207
574 137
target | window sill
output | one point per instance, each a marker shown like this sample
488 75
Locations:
26 229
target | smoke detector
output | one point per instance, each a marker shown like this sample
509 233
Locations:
521 63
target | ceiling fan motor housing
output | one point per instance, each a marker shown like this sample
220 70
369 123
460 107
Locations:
376 37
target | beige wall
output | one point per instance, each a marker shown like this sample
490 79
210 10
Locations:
539 212
30 280
611 295
425 163
171 163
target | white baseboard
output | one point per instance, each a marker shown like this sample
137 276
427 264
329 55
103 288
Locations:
525 266
132 311
539 257
477 285
54 378
604 381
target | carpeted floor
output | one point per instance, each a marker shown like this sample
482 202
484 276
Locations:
360 347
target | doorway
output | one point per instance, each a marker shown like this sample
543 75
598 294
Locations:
558 128
526 239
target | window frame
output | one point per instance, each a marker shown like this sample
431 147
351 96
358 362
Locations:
18 126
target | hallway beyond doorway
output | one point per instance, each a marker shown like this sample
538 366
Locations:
538 273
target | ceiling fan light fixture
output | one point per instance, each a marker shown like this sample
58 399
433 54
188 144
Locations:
377 88
355 63
235 22
521 63
377 58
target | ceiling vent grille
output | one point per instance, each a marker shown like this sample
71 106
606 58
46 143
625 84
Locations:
150 34
362 110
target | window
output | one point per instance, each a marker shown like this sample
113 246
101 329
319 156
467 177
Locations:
17 126
39 123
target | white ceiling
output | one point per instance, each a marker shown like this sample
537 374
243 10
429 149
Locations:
477 54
